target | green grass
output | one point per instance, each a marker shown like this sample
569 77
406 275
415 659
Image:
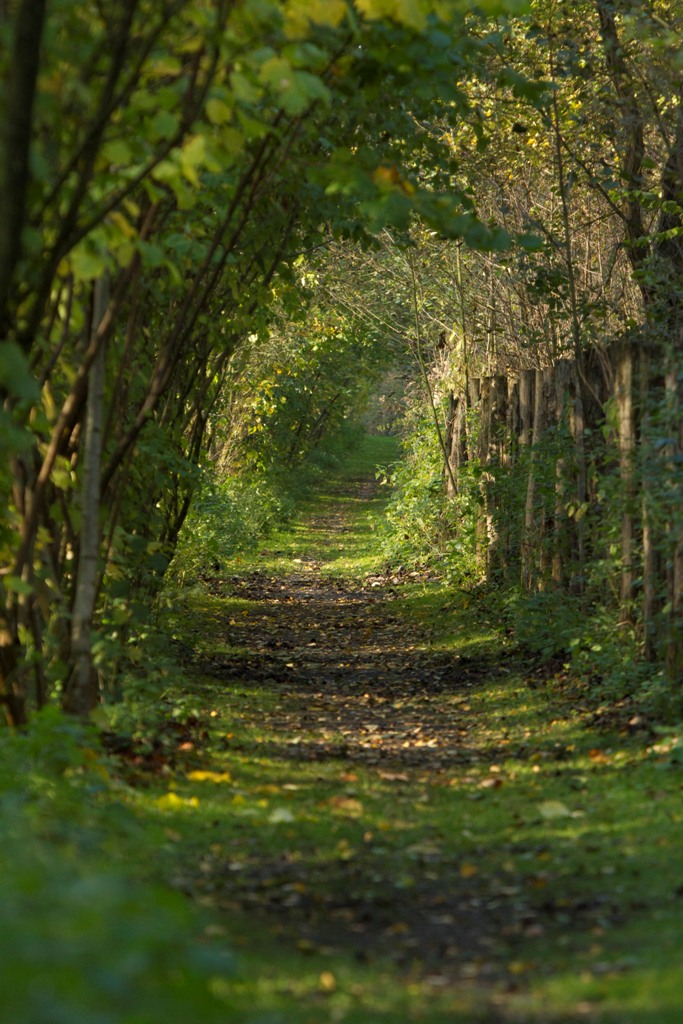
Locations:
551 844
358 551
591 824
567 839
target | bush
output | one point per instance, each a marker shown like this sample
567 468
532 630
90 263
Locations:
232 514
423 523
83 943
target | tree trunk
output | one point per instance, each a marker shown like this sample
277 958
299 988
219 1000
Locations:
11 689
18 113
626 427
651 600
456 441
531 535
82 691
674 645
564 370
495 412
527 380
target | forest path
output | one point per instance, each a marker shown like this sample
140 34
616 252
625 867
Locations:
359 690
402 820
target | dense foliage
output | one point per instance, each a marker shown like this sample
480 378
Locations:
547 378
226 228
164 168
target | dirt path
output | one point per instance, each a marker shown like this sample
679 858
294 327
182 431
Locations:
359 690
420 805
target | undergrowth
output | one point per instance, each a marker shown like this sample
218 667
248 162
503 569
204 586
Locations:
576 621
232 514
89 934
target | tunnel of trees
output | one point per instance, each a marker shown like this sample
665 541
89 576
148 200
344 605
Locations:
243 242
224 226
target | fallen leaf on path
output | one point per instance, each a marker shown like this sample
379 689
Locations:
205 776
347 805
327 981
172 802
280 815
552 809
424 849
494 783
468 870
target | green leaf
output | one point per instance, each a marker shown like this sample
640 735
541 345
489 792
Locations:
165 124
15 375
530 242
117 151
218 111
152 254
17 586
244 90
277 73
312 86
192 157
87 263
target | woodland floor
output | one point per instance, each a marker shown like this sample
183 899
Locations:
391 813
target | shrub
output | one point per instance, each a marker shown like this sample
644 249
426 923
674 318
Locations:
83 942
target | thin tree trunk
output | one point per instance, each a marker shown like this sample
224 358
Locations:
529 538
12 693
564 408
527 380
428 387
82 690
674 646
18 112
579 433
650 558
626 421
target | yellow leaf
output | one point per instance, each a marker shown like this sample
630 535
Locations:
192 156
387 177
166 65
194 150
400 928
202 776
406 12
520 966
124 225
173 802
468 870
411 12
347 805
327 981
376 9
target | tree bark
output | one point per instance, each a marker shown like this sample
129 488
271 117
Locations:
674 645
81 694
20 95
627 445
